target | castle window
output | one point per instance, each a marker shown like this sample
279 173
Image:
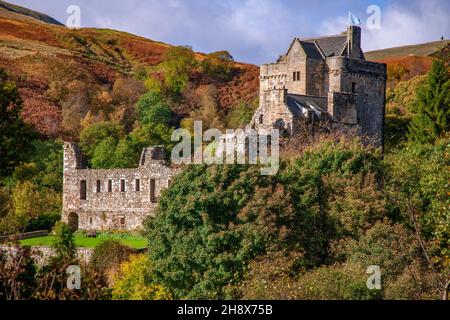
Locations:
122 185
261 118
353 87
296 76
99 186
90 221
122 221
138 185
83 190
110 185
152 190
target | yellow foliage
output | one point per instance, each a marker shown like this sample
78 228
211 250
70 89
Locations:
131 282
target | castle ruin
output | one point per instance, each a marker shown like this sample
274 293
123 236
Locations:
113 199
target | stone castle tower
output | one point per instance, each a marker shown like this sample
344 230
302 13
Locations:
325 78
116 199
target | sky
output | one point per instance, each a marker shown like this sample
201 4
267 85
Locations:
258 31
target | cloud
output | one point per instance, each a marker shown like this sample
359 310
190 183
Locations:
401 24
256 31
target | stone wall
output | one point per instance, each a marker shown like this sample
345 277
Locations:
42 254
117 199
22 236
357 95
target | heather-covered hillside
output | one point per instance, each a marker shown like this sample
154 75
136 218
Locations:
58 69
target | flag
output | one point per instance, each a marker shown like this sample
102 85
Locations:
353 20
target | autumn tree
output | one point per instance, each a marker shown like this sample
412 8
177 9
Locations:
396 71
218 65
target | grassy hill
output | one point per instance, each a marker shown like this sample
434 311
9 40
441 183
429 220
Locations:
39 54
416 58
7 7
423 50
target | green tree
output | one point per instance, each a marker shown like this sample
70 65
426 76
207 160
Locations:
209 224
14 133
94 135
153 110
178 64
104 156
214 220
432 112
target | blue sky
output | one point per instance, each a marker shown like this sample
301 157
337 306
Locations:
256 31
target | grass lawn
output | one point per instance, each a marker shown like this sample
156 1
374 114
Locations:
80 241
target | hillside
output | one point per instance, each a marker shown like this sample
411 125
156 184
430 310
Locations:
40 55
416 58
422 50
4 6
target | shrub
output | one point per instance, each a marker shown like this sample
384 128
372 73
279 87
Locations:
133 282
63 243
338 282
109 255
45 221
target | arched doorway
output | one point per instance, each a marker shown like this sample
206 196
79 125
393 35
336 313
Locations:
73 221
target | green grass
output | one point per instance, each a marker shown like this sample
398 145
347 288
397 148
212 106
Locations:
84 242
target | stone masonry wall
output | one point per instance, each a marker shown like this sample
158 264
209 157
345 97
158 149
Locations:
117 199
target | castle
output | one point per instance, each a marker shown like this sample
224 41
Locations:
324 79
319 79
115 199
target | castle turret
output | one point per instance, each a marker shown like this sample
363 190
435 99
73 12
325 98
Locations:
354 42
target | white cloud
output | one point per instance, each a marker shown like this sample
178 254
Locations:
400 25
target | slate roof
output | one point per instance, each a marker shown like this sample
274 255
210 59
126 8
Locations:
299 104
330 45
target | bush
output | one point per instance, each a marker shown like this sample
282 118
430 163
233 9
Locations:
63 243
338 282
44 221
133 282
109 255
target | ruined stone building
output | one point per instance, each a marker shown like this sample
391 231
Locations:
325 78
116 199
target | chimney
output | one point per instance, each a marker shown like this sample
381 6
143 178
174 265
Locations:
354 42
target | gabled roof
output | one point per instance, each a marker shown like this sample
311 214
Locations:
330 45
320 47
